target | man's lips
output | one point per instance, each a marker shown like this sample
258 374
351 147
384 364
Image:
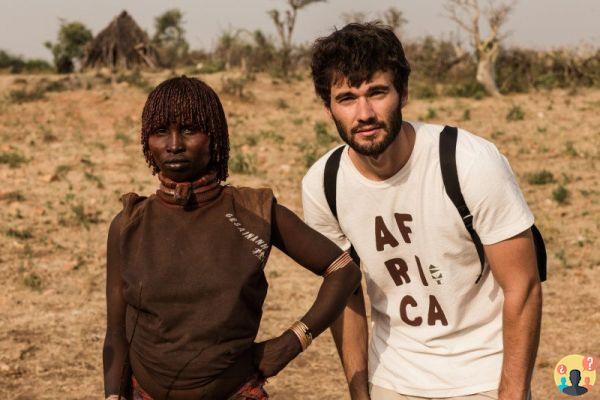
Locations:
368 132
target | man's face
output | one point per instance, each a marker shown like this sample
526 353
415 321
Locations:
369 117
181 153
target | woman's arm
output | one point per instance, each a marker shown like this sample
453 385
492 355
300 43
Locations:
114 354
315 252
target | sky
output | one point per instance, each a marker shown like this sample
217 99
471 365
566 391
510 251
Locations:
541 24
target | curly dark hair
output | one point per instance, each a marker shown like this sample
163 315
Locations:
356 52
187 102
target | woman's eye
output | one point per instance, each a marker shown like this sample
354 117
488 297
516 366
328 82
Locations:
160 131
188 131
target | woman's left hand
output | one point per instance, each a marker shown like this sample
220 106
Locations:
273 355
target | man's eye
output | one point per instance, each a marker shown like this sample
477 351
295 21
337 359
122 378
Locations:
378 93
345 100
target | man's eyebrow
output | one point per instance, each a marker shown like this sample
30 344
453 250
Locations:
378 88
344 94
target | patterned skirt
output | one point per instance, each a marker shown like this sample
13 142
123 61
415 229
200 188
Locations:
251 390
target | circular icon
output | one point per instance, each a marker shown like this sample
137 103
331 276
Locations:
575 374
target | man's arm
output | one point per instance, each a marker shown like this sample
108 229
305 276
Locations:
350 334
513 264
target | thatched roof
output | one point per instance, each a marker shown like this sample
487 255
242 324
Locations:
121 45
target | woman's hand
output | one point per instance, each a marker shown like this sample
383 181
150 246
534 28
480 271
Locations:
273 355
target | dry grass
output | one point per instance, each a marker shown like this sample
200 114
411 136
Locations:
80 151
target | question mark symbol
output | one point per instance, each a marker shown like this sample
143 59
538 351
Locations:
562 369
590 362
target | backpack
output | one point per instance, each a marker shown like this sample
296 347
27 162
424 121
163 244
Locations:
447 145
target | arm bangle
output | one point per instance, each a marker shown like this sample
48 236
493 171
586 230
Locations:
340 262
303 333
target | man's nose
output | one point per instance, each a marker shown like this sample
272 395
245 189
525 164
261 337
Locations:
364 110
175 143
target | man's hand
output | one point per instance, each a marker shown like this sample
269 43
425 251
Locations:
273 355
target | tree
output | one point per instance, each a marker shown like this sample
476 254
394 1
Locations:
466 14
169 37
395 19
354 17
285 28
392 17
69 49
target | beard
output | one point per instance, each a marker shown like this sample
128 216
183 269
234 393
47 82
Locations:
373 148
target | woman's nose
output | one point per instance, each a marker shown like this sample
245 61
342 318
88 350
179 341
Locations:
175 143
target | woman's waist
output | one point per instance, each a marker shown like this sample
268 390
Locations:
186 378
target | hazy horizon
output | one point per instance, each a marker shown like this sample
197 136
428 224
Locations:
533 23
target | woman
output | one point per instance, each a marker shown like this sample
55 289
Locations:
185 281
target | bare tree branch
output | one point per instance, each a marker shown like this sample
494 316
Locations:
285 28
466 14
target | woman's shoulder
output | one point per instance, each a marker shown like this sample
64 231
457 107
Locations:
133 206
249 192
259 200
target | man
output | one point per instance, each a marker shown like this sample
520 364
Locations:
440 329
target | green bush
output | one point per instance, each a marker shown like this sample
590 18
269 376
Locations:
20 96
236 86
19 234
542 177
469 89
560 194
242 163
322 135
570 149
431 114
516 113
33 281
15 196
12 159
426 91
136 79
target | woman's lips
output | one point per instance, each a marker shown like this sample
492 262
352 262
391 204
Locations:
177 164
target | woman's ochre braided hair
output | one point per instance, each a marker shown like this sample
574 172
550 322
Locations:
192 103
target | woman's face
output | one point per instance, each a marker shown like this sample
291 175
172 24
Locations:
182 153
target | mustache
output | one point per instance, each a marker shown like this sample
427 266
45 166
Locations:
368 125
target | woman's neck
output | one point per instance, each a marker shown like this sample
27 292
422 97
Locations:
185 193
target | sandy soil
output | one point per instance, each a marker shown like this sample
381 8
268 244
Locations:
81 152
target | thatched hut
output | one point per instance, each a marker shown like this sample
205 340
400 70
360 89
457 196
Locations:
121 45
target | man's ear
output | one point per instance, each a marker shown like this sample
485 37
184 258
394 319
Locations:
327 110
404 98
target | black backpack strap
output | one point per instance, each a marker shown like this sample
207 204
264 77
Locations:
448 139
540 252
330 179
330 187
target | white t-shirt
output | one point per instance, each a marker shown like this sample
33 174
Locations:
435 332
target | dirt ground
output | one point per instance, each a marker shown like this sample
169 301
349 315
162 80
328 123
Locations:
65 160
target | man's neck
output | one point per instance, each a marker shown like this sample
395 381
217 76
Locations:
388 163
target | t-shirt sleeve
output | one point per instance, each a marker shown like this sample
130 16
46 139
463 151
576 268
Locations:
492 194
317 214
